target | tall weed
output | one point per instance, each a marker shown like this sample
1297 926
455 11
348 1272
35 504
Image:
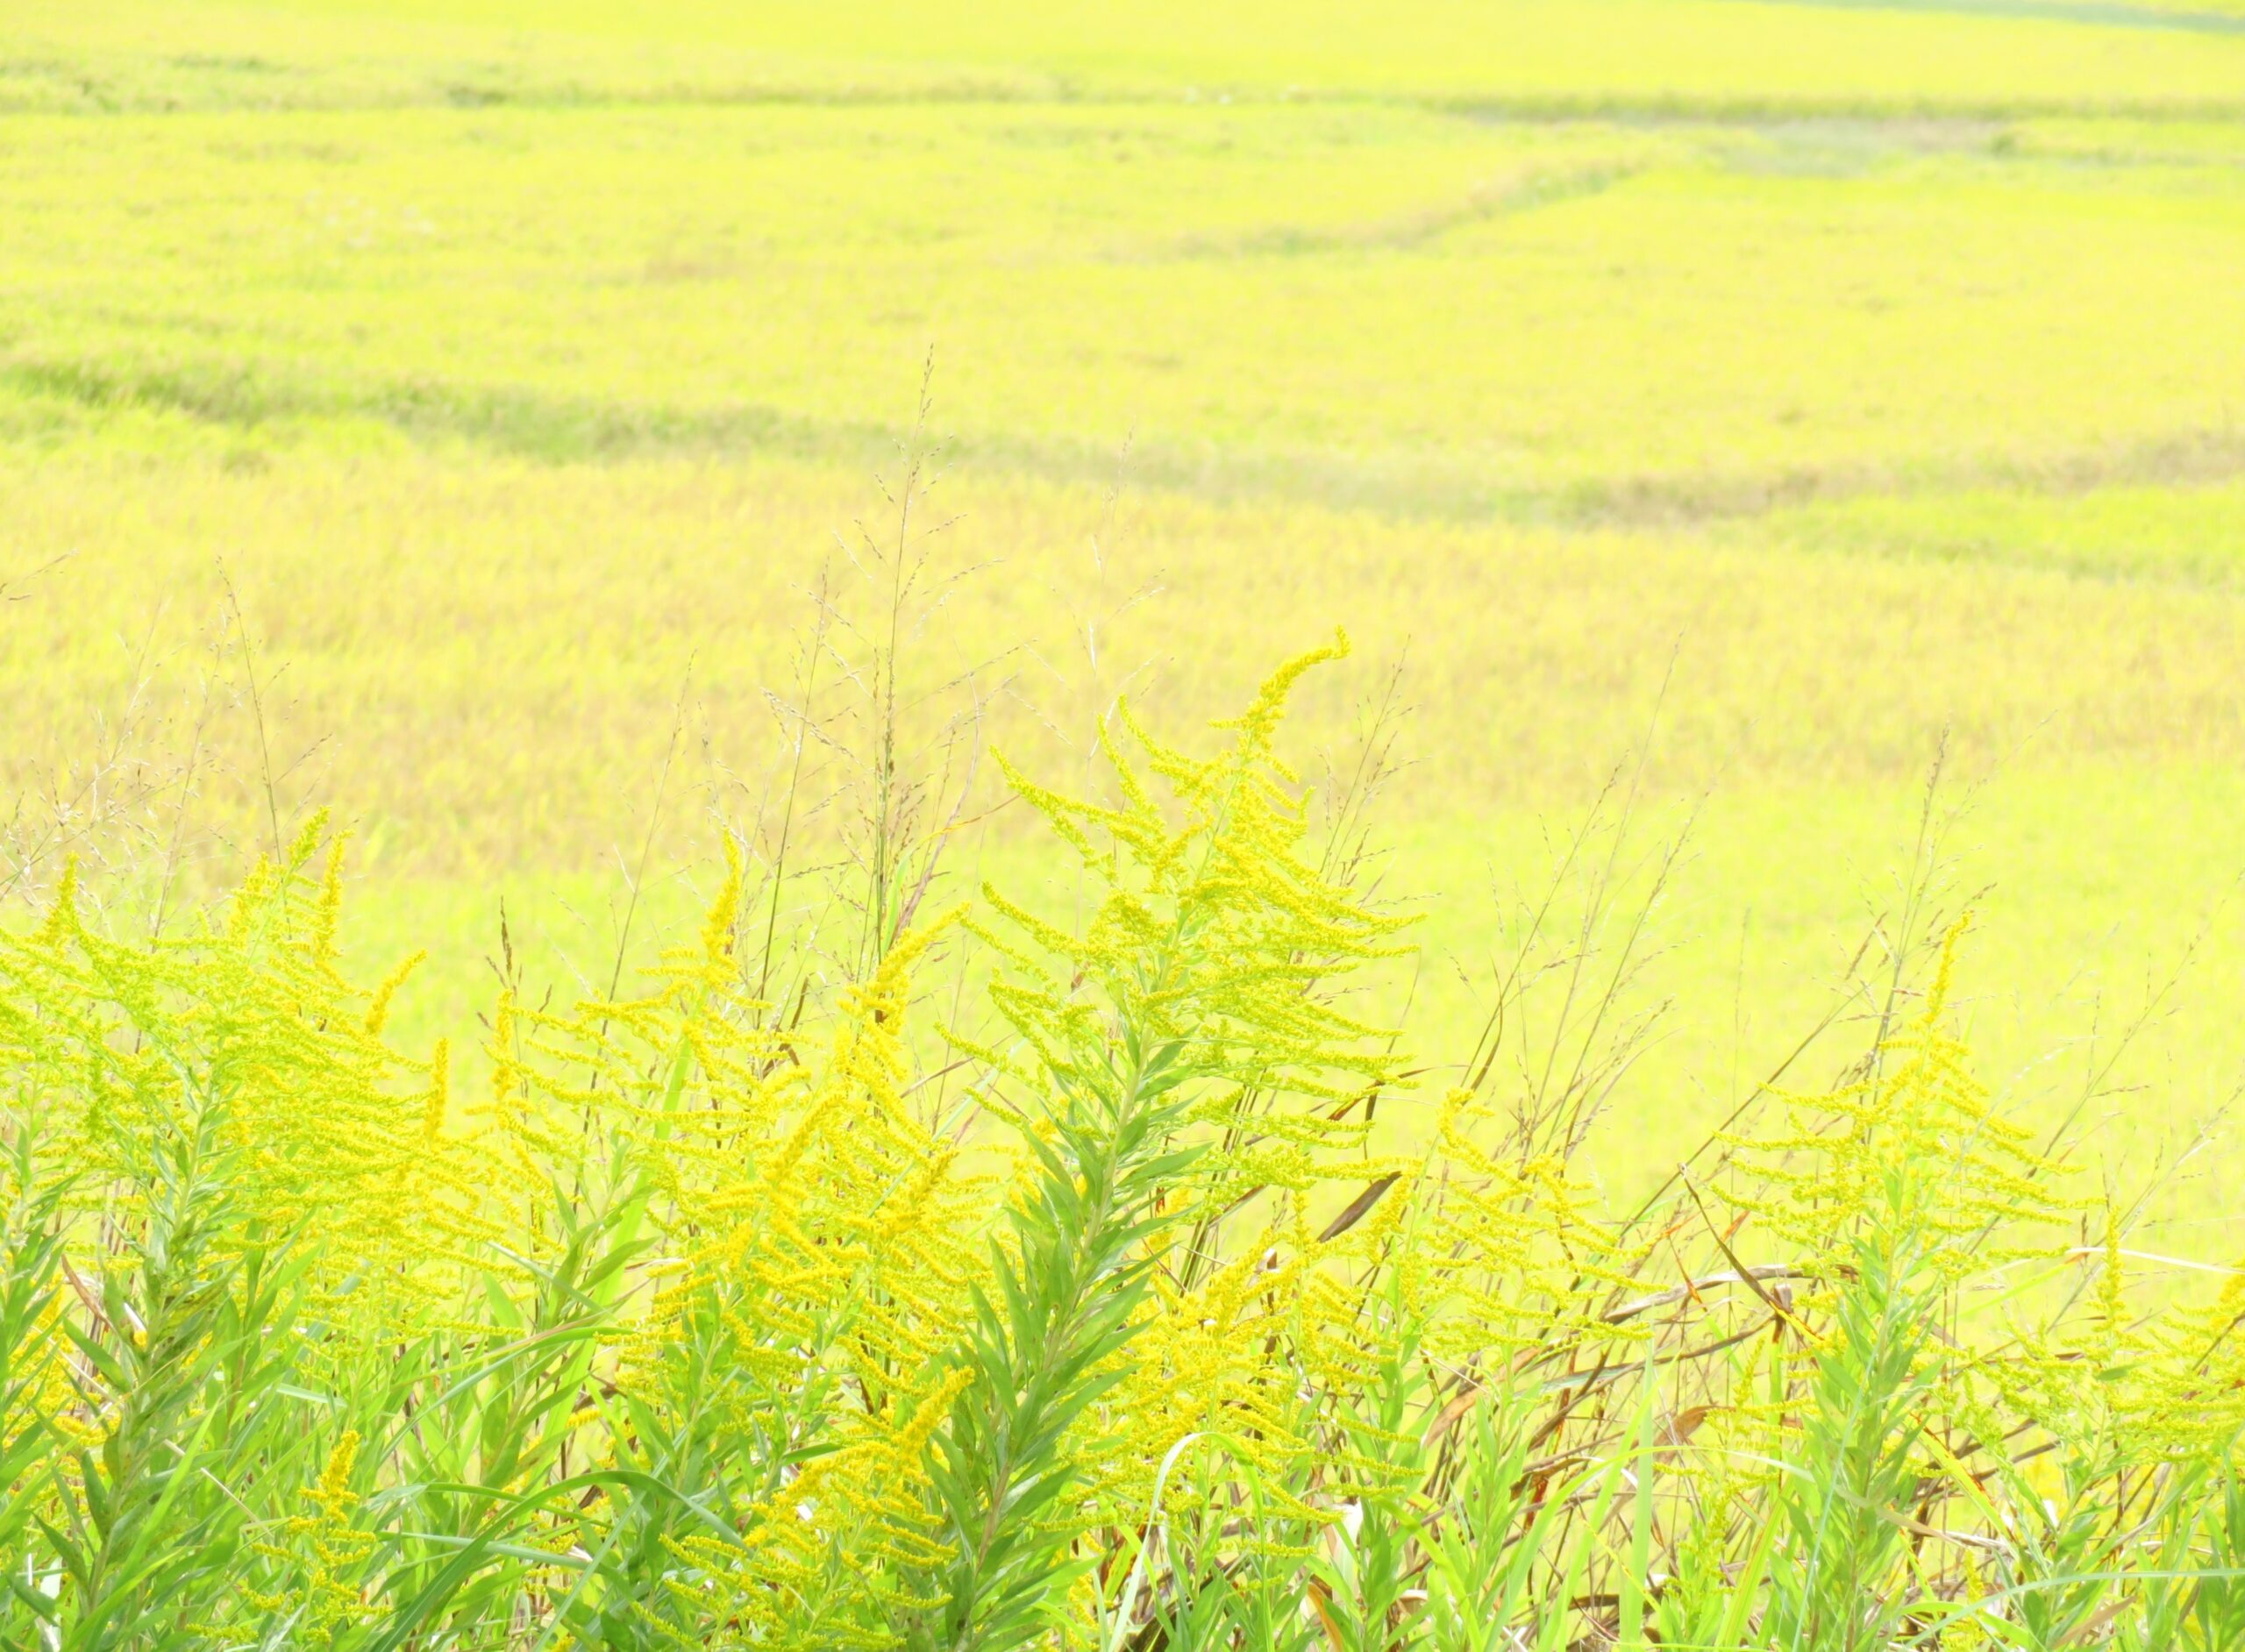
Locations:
1119 1312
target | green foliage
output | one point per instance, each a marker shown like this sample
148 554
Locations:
722 1323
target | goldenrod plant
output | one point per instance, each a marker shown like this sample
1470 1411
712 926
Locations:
714 1323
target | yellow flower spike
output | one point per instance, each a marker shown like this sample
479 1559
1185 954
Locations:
333 1493
63 915
328 910
305 844
1936 1002
378 1007
432 1119
717 926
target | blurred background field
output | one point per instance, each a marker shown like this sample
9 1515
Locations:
1745 398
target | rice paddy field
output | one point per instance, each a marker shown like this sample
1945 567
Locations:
1868 376
666 479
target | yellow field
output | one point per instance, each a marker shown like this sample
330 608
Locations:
1861 372
1995 55
1539 315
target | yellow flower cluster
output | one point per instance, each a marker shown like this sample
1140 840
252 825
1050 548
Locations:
245 1046
814 1232
1916 1141
329 1550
